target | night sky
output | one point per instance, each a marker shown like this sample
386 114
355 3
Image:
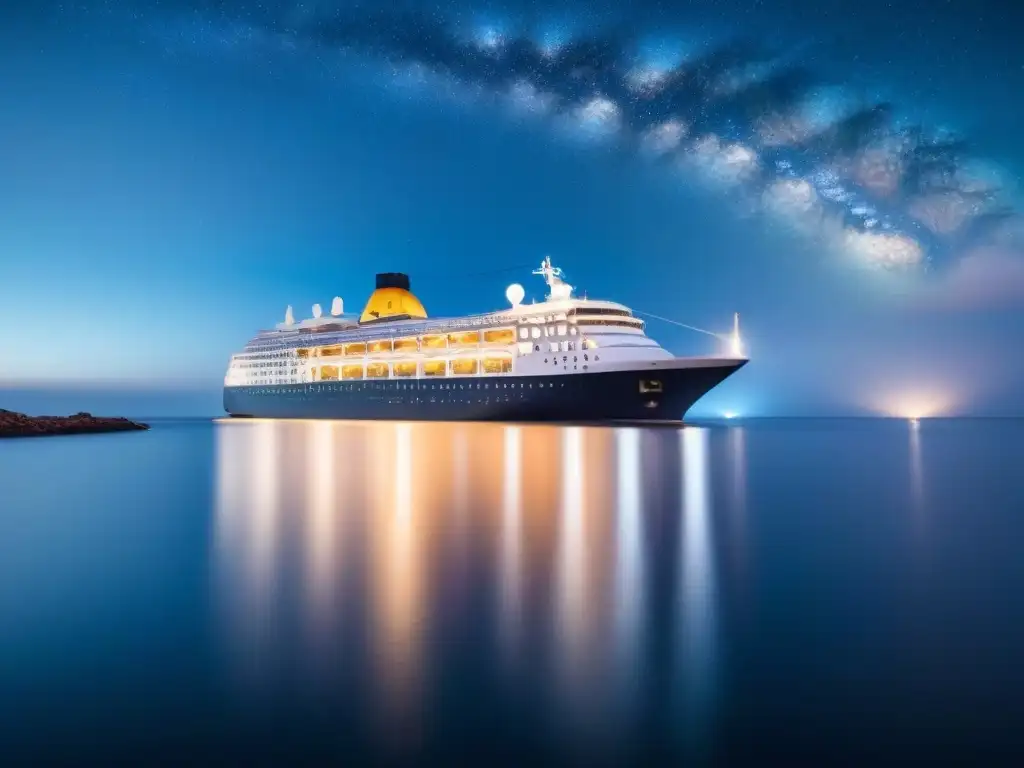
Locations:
846 176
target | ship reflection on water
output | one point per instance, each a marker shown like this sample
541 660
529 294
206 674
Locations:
805 592
402 557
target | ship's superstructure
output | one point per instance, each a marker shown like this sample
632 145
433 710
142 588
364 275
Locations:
564 358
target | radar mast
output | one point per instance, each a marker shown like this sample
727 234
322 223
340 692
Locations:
559 289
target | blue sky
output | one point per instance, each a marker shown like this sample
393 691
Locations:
175 174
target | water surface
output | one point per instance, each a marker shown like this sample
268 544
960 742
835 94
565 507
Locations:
776 590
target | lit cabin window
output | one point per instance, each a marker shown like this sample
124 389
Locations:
524 333
406 345
500 336
535 332
464 339
497 365
464 367
554 346
562 330
435 368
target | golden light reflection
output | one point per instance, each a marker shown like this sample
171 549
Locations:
390 536
629 577
572 586
247 531
323 515
511 540
398 583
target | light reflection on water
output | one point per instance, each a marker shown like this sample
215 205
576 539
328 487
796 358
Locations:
697 609
412 522
581 568
759 593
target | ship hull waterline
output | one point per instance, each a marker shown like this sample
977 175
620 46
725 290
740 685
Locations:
625 395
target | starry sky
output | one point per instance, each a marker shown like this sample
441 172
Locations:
174 173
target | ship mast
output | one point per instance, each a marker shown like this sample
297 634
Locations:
559 289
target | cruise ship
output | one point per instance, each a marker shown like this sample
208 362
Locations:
565 358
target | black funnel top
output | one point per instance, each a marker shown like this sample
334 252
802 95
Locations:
393 280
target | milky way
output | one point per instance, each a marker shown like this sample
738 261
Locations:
739 116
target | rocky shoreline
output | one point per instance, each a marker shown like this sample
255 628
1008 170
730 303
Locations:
19 425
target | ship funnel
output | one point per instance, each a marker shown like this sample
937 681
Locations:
289 316
392 299
337 307
317 311
393 280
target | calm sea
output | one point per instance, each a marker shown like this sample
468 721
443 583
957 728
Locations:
767 592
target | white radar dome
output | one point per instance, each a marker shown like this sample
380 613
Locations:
337 307
515 294
317 311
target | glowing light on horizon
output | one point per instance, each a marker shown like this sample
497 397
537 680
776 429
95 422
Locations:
916 405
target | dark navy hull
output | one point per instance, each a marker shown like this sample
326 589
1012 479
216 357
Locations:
662 395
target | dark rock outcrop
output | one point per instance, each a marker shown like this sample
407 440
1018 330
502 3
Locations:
19 425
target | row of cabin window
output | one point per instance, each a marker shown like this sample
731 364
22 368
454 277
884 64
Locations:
465 367
251 366
534 332
567 346
319 386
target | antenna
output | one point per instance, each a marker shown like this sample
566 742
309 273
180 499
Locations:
337 307
289 316
317 311
553 277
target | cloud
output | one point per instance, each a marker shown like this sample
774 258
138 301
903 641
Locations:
663 137
987 278
598 116
723 163
747 117
882 249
